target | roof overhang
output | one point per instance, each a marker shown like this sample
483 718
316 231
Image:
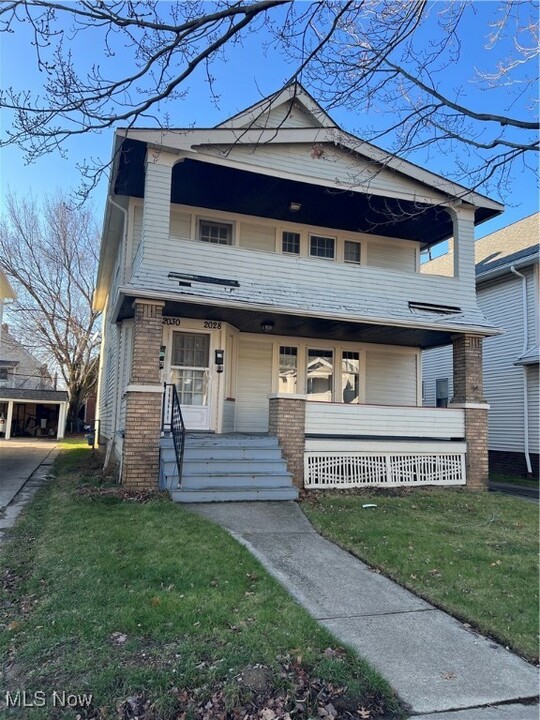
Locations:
303 323
504 269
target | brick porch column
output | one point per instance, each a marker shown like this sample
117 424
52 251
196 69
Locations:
140 466
287 421
468 394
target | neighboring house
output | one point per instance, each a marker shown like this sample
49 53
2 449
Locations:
29 404
269 270
507 283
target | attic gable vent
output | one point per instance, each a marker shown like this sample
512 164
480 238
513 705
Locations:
420 308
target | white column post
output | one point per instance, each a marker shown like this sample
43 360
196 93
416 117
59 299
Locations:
9 419
157 197
464 262
62 412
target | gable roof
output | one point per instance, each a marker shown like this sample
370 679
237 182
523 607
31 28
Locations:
294 98
495 253
242 129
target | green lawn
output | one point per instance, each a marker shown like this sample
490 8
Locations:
514 480
156 612
472 554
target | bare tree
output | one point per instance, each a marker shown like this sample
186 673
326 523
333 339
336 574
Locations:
396 61
50 254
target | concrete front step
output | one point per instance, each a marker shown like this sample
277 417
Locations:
244 480
226 468
216 494
234 440
231 467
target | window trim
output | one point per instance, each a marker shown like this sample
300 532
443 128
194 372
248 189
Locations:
361 249
287 252
312 235
215 221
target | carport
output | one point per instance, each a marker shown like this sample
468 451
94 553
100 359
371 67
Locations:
32 413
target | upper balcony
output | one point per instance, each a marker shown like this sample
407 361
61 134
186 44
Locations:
327 277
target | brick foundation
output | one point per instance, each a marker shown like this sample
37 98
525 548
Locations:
140 454
468 392
287 421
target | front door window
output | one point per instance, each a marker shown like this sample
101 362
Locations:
190 367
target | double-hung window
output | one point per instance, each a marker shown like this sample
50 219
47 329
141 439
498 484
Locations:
351 252
291 243
322 247
217 233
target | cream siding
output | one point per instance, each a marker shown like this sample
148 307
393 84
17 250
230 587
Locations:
257 237
392 256
180 224
326 163
126 353
254 384
110 370
391 378
288 115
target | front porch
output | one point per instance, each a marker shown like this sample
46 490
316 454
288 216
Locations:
340 432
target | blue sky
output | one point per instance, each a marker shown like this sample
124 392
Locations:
246 76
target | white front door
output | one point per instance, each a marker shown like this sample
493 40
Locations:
190 372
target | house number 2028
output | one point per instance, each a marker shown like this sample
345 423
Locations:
210 324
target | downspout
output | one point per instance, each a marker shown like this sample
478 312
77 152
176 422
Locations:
524 369
110 448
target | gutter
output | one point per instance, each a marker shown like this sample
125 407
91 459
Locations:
524 369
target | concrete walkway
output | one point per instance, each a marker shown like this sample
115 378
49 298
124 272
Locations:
24 464
432 661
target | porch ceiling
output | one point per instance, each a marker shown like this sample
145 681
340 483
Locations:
228 189
249 321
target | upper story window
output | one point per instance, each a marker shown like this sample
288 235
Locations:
351 252
323 247
291 243
218 233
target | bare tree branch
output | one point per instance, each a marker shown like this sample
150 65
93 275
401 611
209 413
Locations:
392 61
49 253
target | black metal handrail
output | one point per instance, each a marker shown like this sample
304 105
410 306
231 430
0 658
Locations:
172 422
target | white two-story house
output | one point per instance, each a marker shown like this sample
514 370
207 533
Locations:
507 282
261 289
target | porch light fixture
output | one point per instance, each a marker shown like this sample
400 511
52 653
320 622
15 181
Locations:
267 325
294 206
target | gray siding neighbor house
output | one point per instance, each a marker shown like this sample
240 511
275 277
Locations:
507 283
265 311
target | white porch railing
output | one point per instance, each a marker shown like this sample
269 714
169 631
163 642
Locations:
384 421
394 446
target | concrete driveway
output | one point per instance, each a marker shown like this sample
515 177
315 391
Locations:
19 459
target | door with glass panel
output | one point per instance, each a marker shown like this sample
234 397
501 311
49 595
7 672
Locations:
190 363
